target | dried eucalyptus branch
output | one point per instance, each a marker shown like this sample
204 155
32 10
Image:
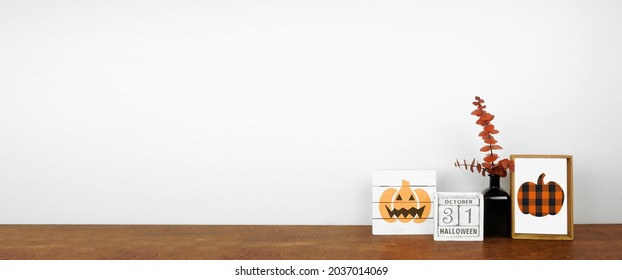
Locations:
489 166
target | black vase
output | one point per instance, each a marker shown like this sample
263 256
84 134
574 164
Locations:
496 209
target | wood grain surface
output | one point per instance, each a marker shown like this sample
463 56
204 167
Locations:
209 242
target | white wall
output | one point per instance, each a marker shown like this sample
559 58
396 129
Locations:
276 112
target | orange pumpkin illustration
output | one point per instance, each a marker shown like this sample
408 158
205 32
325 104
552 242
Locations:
540 199
405 205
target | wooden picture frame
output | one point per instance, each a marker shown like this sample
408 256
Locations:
542 197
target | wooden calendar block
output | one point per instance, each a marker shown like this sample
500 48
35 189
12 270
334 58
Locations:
458 216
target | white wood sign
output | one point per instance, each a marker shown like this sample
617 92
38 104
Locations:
459 216
402 201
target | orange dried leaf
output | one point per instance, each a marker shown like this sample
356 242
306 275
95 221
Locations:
491 158
477 112
496 147
484 133
494 131
486 117
504 163
489 128
490 140
485 148
500 172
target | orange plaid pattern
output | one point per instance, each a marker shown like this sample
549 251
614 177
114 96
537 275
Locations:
540 199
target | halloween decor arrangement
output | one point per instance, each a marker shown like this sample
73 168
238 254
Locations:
497 211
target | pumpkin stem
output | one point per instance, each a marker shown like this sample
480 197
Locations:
541 179
405 184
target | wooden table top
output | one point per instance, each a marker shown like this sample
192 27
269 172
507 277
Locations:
219 242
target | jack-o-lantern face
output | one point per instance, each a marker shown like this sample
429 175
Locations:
405 205
540 199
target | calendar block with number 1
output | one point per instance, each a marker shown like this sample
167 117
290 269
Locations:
458 216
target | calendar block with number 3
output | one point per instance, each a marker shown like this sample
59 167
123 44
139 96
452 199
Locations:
458 216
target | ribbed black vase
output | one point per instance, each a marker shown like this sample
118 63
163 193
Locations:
496 209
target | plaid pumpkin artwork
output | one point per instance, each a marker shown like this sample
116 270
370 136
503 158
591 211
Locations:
540 199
